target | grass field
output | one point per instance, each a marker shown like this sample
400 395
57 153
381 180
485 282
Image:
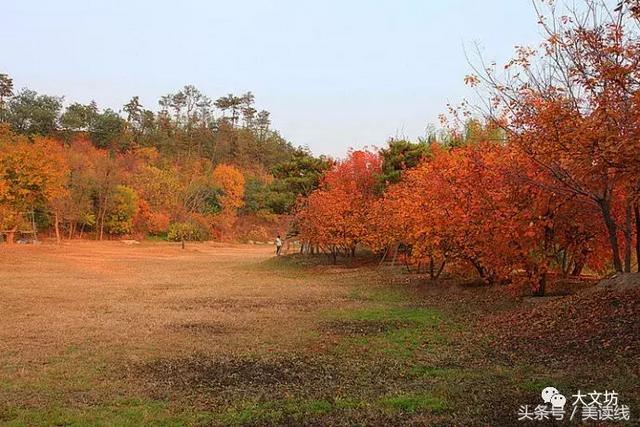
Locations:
110 334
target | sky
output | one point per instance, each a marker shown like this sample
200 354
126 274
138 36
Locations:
334 74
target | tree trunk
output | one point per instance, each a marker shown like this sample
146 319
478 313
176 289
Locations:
441 269
57 227
102 213
565 264
33 225
11 237
577 269
579 262
612 229
542 284
627 237
431 268
482 272
384 256
480 269
637 212
395 254
101 227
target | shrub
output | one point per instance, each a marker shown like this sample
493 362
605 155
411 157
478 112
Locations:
158 223
257 234
187 231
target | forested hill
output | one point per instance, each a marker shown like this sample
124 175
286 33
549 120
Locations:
226 130
187 169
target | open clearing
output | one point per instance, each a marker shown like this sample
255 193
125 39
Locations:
150 334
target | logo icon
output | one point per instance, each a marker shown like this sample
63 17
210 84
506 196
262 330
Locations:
558 401
548 393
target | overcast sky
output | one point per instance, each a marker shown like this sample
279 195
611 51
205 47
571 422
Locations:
334 74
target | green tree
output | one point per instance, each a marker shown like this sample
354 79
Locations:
107 130
78 117
230 103
254 192
398 156
6 91
33 114
301 174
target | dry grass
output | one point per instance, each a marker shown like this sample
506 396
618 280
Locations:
134 299
69 309
110 334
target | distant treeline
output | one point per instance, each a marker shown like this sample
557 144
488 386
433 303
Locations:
187 171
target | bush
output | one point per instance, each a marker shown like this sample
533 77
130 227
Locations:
187 231
256 234
158 223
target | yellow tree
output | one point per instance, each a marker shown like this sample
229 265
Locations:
231 181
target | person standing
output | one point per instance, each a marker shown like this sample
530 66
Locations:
278 245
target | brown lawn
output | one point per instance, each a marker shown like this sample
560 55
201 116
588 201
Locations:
136 300
216 334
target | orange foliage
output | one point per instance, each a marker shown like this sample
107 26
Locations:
32 174
479 205
573 107
336 215
231 181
